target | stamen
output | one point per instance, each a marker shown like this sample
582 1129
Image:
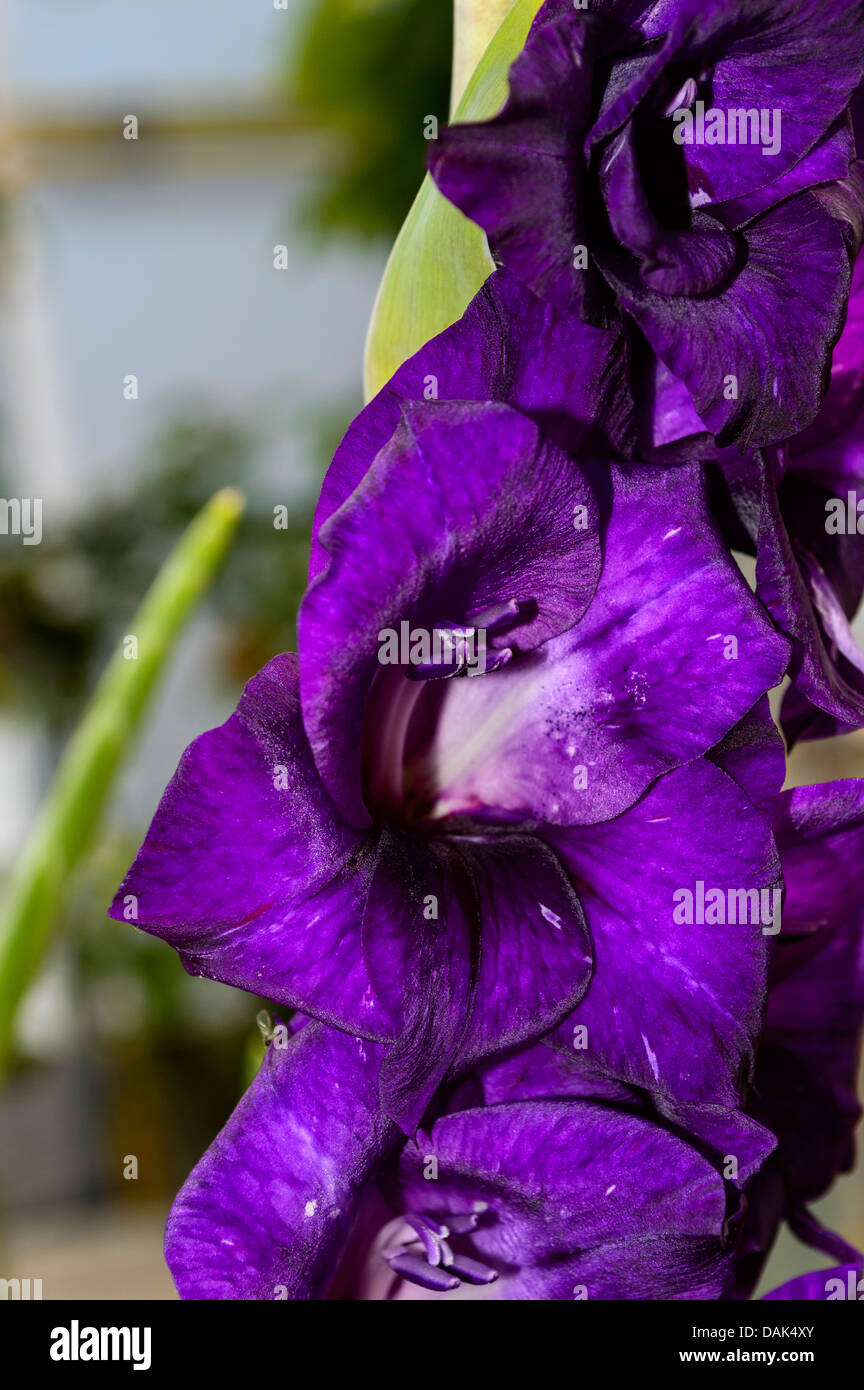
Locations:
265 1026
431 1239
459 1225
442 1268
417 1271
684 98
472 1271
461 649
499 618
456 649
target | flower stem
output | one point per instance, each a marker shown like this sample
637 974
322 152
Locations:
97 749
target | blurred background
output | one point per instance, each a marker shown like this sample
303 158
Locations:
267 136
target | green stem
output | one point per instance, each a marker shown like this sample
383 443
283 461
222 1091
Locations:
96 750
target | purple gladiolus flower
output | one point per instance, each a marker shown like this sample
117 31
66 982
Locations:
412 859
813 1022
626 180
536 1177
305 1194
507 836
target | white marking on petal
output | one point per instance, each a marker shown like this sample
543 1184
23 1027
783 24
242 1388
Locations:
551 916
652 1058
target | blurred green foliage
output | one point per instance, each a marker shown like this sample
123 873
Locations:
369 71
62 613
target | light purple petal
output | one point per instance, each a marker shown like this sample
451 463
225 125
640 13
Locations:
671 653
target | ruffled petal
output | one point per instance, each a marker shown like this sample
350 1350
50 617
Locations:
777 320
521 176
509 346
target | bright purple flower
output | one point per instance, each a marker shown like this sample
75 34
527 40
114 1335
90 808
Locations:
552 1197
536 1176
732 259
400 857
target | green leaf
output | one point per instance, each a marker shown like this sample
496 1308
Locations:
440 259
97 749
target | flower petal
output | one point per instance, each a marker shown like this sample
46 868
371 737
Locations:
671 653
675 1007
822 1284
521 176
476 944
808 1056
249 872
465 509
576 1194
511 347
268 1210
754 756
777 321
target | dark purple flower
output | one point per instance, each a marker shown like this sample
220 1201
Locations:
804 1090
808 1058
597 187
796 510
533 1178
